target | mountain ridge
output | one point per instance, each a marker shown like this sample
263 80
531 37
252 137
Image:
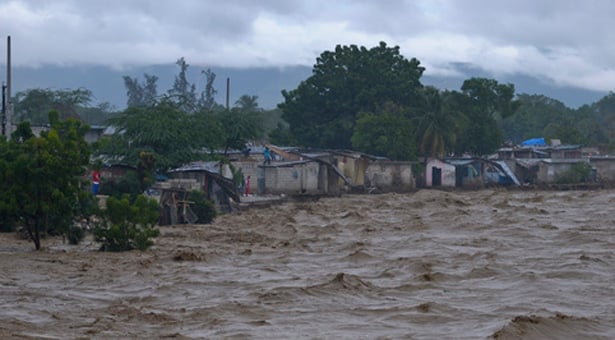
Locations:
107 85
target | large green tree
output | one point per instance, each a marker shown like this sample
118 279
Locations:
388 132
172 136
239 127
174 128
323 110
484 102
42 176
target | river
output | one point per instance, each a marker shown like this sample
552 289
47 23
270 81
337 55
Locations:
424 265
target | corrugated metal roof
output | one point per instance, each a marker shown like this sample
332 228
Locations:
315 154
564 160
285 164
528 162
212 166
508 172
460 161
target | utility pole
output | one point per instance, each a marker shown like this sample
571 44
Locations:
228 93
3 109
7 120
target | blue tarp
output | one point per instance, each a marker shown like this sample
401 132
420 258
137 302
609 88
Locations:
534 142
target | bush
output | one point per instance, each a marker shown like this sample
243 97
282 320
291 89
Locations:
578 173
75 234
7 220
128 184
128 225
203 208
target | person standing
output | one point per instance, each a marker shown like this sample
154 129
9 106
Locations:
95 181
248 186
267 155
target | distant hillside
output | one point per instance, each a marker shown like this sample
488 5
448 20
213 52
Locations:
266 83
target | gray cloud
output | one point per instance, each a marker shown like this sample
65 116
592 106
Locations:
566 41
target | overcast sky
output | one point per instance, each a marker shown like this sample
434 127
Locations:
569 42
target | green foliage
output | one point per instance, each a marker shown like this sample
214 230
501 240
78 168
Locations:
41 177
537 116
207 101
127 224
238 176
271 120
541 116
202 207
85 207
183 93
322 111
248 104
139 94
127 185
564 132
207 131
438 124
388 133
490 97
75 234
483 102
7 220
175 129
162 130
146 170
7 206
239 127
596 123
578 173
281 135
34 104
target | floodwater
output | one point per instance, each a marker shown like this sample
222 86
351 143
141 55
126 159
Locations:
424 265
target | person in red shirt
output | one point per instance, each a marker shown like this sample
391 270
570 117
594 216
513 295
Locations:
95 181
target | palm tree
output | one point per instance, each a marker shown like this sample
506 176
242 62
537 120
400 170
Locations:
248 103
437 126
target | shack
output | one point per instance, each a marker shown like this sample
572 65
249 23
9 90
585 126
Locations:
213 178
439 173
468 173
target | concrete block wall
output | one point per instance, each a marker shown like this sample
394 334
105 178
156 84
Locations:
548 172
301 178
249 168
605 169
390 176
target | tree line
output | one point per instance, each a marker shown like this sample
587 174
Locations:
367 99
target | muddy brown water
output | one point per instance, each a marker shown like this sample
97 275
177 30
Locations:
424 265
